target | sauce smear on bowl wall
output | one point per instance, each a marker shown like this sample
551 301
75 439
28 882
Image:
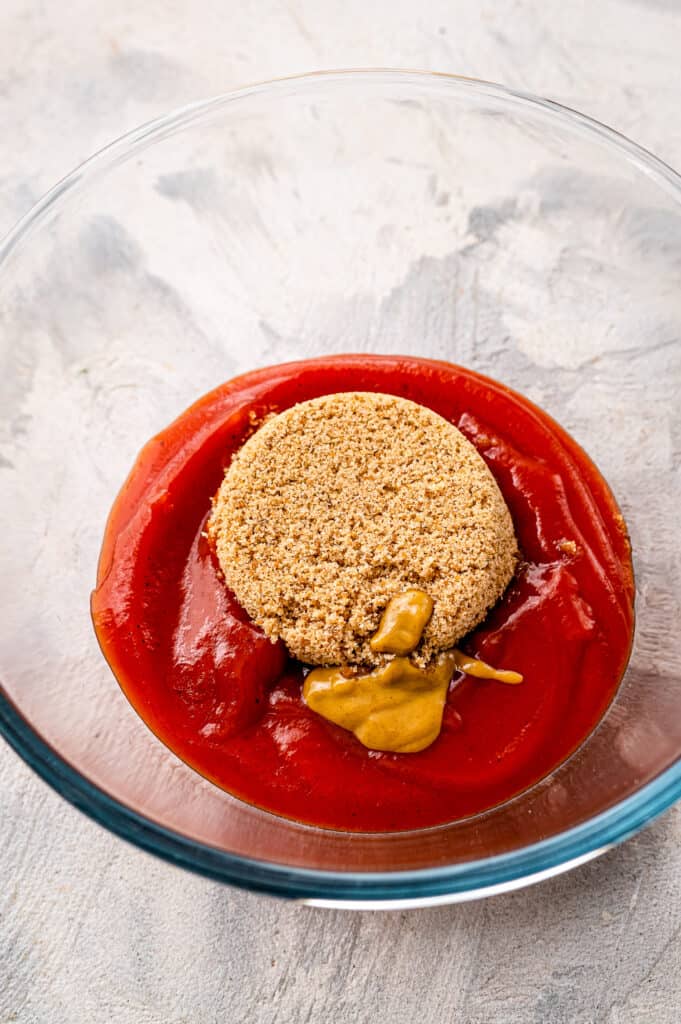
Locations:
229 701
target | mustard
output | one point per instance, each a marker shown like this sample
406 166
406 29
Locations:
398 707
403 622
480 669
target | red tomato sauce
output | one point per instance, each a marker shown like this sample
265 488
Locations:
228 701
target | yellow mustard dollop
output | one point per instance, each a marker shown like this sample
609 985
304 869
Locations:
398 707
403 622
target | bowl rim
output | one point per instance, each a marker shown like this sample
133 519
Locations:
365 890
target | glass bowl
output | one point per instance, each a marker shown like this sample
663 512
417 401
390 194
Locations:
371 211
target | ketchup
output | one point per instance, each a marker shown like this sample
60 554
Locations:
228 701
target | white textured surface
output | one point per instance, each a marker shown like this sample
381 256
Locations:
93 930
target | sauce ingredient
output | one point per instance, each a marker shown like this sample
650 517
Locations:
397 707
338 503
227 700
402 623
481 670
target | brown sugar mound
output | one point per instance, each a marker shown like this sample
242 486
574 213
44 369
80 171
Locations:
338 504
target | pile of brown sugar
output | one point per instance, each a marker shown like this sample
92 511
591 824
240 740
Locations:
338 504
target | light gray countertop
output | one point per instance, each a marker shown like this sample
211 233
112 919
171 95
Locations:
92 929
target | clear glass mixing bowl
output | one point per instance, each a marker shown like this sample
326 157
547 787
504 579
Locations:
366 212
